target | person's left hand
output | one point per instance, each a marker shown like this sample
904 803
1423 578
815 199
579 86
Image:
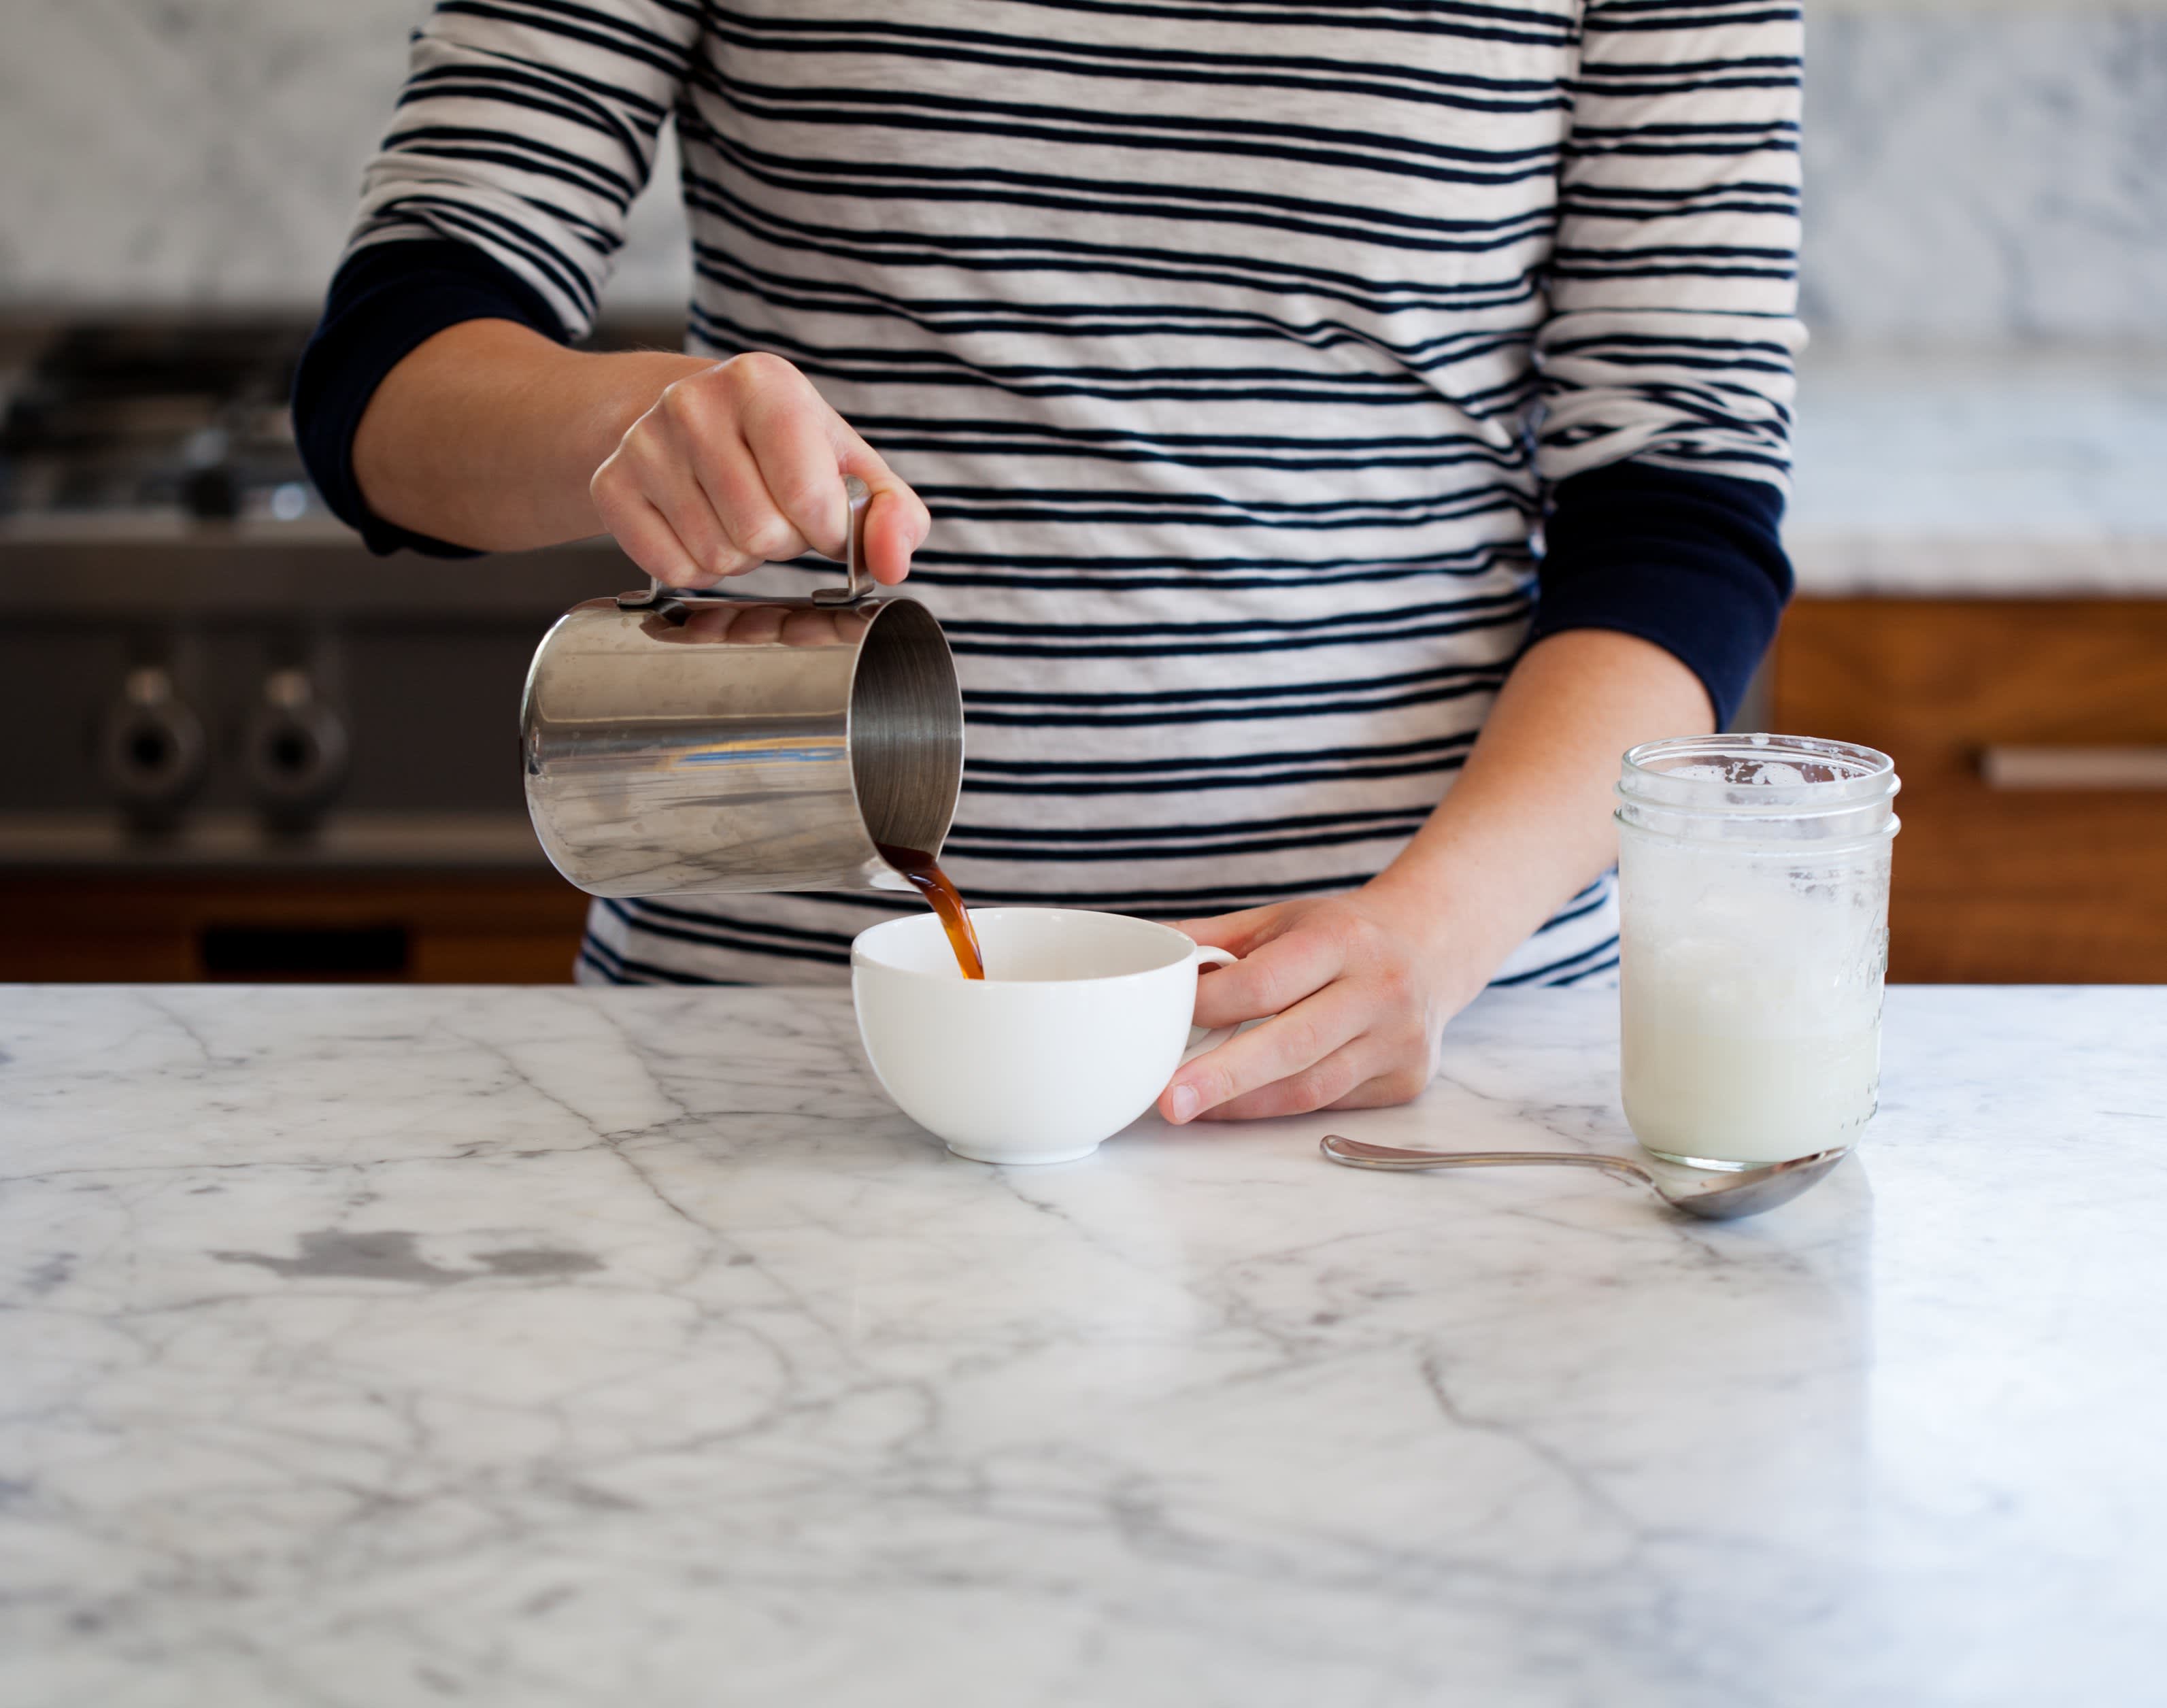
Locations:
1357 995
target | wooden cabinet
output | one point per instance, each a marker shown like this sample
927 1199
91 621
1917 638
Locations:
2032 739
511 928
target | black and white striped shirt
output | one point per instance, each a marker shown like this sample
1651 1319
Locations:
1236 345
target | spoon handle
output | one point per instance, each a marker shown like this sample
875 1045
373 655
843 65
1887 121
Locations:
1355 1154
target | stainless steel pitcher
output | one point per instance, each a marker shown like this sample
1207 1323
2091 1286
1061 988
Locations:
684 744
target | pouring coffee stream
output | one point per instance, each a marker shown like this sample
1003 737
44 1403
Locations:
923 872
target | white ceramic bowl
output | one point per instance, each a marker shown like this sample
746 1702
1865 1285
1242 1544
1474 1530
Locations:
1080 1021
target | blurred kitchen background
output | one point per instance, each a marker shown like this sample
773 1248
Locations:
234 745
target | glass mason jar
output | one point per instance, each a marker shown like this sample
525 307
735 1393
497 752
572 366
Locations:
1753 873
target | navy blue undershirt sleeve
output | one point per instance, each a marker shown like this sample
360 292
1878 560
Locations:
388 300
1694 563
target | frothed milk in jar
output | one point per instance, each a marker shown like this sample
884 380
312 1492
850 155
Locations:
1754 877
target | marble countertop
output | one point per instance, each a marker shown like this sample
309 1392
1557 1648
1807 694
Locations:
555 1346
2007 473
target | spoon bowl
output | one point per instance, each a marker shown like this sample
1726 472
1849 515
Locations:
1714 1196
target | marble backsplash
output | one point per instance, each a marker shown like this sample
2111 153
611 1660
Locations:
1979 176
1974 174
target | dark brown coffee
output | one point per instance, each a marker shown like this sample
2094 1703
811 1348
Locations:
923 872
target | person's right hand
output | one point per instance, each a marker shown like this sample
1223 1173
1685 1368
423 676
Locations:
742 463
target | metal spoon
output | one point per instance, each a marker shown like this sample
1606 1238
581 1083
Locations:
1716 1196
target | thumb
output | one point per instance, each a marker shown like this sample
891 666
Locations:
896 520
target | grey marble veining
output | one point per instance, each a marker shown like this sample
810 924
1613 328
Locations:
551 1346
1978 173
210 154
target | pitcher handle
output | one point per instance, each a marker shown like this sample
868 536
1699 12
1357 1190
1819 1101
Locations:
861 585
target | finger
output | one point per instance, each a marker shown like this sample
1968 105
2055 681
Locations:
1234 932
803 450
692 463
729 473
669 481
647 538
896 520
1283 1046
791 435
1324 1085
1270 979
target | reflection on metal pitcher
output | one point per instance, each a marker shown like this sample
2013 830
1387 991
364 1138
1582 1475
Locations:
677 744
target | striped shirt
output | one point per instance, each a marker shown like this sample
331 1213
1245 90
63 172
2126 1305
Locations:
1236 347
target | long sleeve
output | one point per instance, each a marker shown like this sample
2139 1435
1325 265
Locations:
387 300
526 129
1666 360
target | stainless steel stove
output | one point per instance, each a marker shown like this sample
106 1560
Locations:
152 418
199 665
205 676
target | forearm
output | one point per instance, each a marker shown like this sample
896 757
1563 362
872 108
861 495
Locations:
487 434
1527 824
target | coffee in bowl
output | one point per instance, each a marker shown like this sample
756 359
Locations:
1079 1021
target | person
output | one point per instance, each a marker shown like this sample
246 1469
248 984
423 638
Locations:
1329 435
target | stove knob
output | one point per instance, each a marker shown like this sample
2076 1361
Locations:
151 748
293 751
